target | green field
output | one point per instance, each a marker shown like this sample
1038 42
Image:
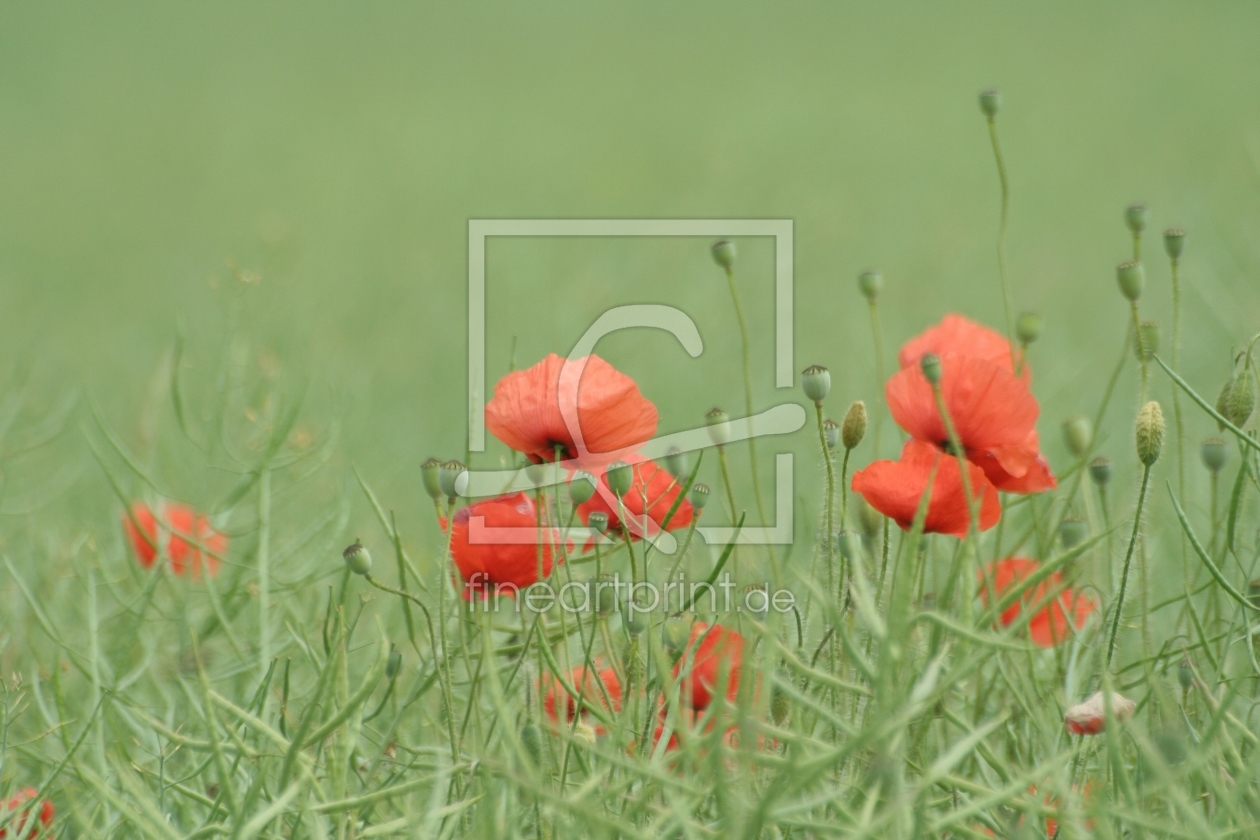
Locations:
233 272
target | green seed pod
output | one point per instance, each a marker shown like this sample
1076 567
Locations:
531 740
831 433
1136 215
816 383
780 706
1131 277
632 616
449 474
1100 471
394 663
357 558
719 426
990 102
1028 327
1078 434
581 487
1215 453
1146 342
1185 674
674 634
1237 399
854 427
870 283
1073 532
724 253
1174 242
699 496
930 364
1150 433
676 463
537 474
603 594
598 522
620 476
850 545
429 471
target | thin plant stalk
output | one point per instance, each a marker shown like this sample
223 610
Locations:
1124 574
831 491
748 398
1176 366
1001 245
877 335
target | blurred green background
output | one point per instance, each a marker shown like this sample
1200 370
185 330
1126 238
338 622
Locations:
335 154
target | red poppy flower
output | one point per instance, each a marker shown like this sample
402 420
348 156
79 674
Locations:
653 491
17 805
1049 625
714 656
498 547
1052 824
956 334
588 684
186 536
585 407
894 488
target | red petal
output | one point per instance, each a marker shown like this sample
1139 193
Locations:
956 334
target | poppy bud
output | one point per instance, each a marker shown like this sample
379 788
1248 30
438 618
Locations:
831 433
1146 342
429 472
854 428
930 364
1089 718
581 487
357 558
394 663
1078 433
699 496
674 634
871 283
1136 216
1174 242
724 253
719 426
816 382
584 733
632 617
1100 471
597 522
1150 433
1073 532
620 476
449 474
676 462
1028 327
1237 399
531 740
990 102
602 590
870 519
850 545
1215 452
537 474
780 706
1185 674
1131 277
635 667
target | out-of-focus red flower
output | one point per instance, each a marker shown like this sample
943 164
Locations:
1052 824
187 537
586 407
894 488
714 656
498 547
19 810
653 491
588 684
1050 624
956 334
1090 717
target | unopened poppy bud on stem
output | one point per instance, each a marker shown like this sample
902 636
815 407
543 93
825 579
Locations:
581 487
1185 673
394 663
719 426
430 471
724 253
674 633
1131 277
1174 242
990 102
531 740
930 364
1100 471
620 476
1073 531
699 496
1237 399
1136 216
780 706
854 428
816 383
870 283
1090 717
1215 454
1150 433
357 558
1078 434
831 433
676 462
1028 327
449 475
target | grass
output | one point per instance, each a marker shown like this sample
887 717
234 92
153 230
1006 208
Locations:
233 251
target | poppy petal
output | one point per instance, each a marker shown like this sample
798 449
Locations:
956 334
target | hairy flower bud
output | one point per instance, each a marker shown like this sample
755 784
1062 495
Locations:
816 383
581 487
719 426
780 706
449 474
584 733
724 253
1215 453
1073 531
990 102
699 496
531 740
1028 327
1150 433
1078 434
870 283
429 472
1136 215
394 663
1146 341
1174 242
1131 277
1237 399
831 433
674 634
675 462
620 477
930 364
854 427
1100 471
357 558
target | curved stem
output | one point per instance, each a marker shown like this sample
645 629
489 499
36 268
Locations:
1124 575
879 370
828 537
1001 249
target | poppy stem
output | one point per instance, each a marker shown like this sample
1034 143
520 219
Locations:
1128 558
1141 348
879 369
831 490
1001 245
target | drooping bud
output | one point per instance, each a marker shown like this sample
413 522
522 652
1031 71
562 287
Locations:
854 428
1136 215
831 433
1100 471
1237 399
394 663
719 426
1089 718
581 487
871 283
449 474
1174 242
620 476
1215 453
930 364
674 634
1078 434
584 733
597 522
1073 532
1146 342
429 472
1131 277
816 383
780 706
675 461
699 496
724 253
1185 673
357 558
990 102
531 740
1150 433
1028 327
